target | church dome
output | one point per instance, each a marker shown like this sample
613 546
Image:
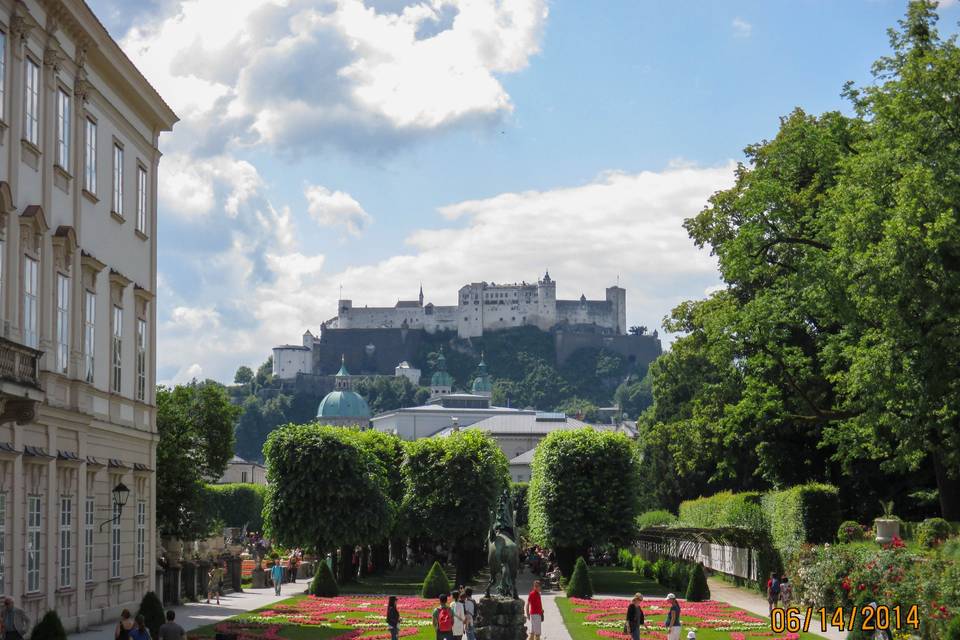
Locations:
481 384
343 404
440 377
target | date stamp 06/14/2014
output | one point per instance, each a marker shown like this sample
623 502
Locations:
874 618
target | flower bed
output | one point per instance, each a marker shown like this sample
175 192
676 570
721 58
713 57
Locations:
712 620
355 617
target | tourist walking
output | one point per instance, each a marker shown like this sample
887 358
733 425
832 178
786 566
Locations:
14 623
470 607
786 592
673 618
534 611
140 631
393 618
459 616
635 617
443 620
122 632
170 630
215 582
276 574
293 563
773 591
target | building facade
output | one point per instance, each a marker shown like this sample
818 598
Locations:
79 128
486 306
240 471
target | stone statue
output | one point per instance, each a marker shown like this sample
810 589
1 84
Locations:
503 553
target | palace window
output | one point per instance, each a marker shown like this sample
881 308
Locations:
115 542
141 551
90 157
31 98
63 129
63 322
141 199
30 268
117 205
66 542
141 359
89 335
33 544
3 254
88 540
117 349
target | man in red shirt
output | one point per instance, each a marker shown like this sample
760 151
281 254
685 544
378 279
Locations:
535 611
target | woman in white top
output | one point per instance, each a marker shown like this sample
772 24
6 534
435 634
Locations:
459 615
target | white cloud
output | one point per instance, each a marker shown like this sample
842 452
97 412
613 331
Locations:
262 292
945 4
335 208
741 28
298 75
190 186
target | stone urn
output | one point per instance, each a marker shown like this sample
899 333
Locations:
887 528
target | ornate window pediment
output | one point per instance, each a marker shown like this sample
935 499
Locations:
64 247
33 224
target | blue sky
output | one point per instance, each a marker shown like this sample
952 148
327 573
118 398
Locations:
377 145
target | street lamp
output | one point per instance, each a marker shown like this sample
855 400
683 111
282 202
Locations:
120 495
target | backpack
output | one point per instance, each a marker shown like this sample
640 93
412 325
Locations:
775 588
445 619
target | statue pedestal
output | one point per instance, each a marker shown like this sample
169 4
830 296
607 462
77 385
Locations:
500 618
258 578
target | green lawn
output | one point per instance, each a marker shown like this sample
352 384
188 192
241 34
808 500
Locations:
613 619
405 582
294 632
616 581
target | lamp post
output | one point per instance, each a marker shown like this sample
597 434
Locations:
120 495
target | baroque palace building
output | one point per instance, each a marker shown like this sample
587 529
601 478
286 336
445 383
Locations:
79 128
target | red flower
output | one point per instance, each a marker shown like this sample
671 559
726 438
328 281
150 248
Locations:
861 587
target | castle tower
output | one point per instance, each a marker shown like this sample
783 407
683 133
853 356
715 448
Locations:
421 294
547 295
617 296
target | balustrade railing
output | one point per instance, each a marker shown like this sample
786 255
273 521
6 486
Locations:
19 363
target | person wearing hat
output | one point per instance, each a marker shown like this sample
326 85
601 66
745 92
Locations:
673 618
691 635
635 617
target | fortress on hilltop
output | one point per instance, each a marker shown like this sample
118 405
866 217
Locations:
384 340
488 306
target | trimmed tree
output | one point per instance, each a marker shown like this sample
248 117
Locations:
152 611
387 448
454 512
580 584
323 583
326 491
583 492
49 628
697 589
435 583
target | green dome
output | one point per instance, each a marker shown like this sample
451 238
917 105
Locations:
482 385
441 379
343 404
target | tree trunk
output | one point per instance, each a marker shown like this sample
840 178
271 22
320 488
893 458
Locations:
381 558
464 564
948 486
567 557
364 561
345 565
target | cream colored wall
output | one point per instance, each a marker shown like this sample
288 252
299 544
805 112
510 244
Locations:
86 421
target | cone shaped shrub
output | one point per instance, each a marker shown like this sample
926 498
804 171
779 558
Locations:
435 583
580 585
152 611
697 589
323 583
49 628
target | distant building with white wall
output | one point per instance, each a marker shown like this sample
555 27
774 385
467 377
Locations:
291 359
408 371
412 423
243 472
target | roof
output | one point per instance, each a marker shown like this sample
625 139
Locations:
238 460
451 411
524 458
441 379
401 304
297 347
343 404
525 423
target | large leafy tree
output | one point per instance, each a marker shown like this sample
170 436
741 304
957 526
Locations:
583 491
195 427
326 490
453 484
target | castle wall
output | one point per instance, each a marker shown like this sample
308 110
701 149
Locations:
365 350
595 312
289 361
637 349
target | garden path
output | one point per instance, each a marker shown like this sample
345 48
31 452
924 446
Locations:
553 627
196 614
754 603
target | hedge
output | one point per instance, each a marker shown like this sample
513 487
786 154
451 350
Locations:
435 583
724 509
323 583
49 628
657 518
580 585
237 504
807 513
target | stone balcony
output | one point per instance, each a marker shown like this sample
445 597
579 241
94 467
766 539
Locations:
20 389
